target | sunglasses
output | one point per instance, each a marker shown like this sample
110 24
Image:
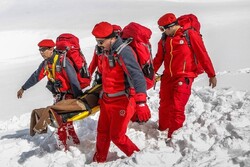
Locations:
43 49
100 41
164 28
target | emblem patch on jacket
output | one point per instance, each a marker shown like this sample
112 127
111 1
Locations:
122 113
181 41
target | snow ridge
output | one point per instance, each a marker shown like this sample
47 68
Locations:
216 132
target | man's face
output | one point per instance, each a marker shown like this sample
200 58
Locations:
104 43
46 52
169 31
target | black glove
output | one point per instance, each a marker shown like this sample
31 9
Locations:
50 87
99 50
98 79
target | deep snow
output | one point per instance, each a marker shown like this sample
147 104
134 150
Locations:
216 130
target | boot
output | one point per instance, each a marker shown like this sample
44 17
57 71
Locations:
71 132
99 159
62 137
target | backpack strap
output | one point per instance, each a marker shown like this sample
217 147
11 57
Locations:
148 68
63 54
163 39
84 70
187 37
119 61
52 72
123 45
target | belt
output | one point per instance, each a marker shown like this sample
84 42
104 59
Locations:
114 94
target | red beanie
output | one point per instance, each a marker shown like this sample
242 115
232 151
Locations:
166 19
46 43
116 28
102 30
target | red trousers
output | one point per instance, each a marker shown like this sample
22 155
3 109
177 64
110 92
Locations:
174 95
115 114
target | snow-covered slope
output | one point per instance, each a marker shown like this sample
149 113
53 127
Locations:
216 133
217 127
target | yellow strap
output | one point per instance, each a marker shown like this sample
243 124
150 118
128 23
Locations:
52 75
84 114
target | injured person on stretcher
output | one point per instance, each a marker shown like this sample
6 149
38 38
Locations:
62 114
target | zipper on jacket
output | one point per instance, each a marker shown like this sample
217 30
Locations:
171 58
184 67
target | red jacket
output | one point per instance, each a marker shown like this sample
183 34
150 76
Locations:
95 63
65 77
115 79
179 57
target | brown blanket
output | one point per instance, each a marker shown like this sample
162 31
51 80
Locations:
40 118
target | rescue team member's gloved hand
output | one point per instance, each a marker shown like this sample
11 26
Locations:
142 112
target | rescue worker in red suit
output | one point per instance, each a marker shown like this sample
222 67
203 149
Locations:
95 63
62 82
124 93
179 71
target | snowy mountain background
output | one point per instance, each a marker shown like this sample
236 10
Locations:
217 128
